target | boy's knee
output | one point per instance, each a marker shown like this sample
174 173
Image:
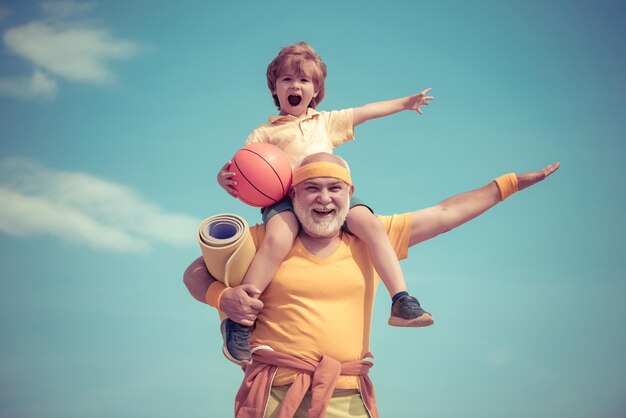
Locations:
368 224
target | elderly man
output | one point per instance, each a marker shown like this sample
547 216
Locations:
311 340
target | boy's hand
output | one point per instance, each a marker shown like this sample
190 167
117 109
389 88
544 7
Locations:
224 179
421 99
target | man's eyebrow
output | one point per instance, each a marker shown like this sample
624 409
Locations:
314 182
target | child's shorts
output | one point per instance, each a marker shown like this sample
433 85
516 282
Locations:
285 204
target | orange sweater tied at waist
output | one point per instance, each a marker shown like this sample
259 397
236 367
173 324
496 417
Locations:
320 377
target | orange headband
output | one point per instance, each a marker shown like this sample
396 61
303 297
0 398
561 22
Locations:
321 169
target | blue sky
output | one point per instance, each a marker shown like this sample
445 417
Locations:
115 117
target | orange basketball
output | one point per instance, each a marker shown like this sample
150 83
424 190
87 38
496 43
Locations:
262 173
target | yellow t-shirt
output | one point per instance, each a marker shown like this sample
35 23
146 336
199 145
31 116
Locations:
315 306
315 132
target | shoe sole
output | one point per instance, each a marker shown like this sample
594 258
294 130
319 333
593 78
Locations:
421 321
233 359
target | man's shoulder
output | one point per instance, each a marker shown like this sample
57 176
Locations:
398 228
257 232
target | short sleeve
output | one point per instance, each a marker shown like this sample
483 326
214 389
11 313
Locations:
256 137
398 229
340 126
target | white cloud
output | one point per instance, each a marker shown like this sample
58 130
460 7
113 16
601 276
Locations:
74 53
61 46
85 209
39 85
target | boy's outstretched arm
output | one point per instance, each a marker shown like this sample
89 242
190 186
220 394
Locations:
389 107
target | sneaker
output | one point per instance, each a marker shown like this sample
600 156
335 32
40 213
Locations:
236 342
407 312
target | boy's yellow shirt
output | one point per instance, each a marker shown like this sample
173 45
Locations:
317 306
299 137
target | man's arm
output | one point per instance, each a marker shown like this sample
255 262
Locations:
389 107
241 303
197 279
430 222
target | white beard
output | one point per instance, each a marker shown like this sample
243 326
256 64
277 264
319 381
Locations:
323 228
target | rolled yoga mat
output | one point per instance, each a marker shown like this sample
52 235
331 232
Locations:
227 247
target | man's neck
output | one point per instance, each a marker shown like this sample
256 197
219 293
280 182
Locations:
321 247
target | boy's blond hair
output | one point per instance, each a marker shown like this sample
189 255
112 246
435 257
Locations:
302 59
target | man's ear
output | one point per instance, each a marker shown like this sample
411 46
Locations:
291 192
351 191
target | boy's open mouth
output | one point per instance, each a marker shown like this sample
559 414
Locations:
294 100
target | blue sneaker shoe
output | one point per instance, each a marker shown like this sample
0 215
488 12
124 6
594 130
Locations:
407 312
236 342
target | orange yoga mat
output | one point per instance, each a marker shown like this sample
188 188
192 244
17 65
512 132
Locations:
227 247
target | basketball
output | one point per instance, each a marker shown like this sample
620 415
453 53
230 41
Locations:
262 173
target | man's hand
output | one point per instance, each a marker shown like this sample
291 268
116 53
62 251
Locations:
421 99
225 179
528 179
241 303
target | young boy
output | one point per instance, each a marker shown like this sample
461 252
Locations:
296 80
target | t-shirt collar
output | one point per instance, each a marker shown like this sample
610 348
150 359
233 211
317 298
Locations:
310 112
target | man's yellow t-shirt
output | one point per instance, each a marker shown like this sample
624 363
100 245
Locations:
316 306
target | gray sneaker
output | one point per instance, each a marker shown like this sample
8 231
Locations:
236 342
407 312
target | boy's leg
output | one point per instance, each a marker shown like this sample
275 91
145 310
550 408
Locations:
406 311
280 232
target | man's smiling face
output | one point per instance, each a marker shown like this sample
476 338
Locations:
321 205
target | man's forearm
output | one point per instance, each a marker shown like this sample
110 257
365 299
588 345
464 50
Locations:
197 279
464 207
239 303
